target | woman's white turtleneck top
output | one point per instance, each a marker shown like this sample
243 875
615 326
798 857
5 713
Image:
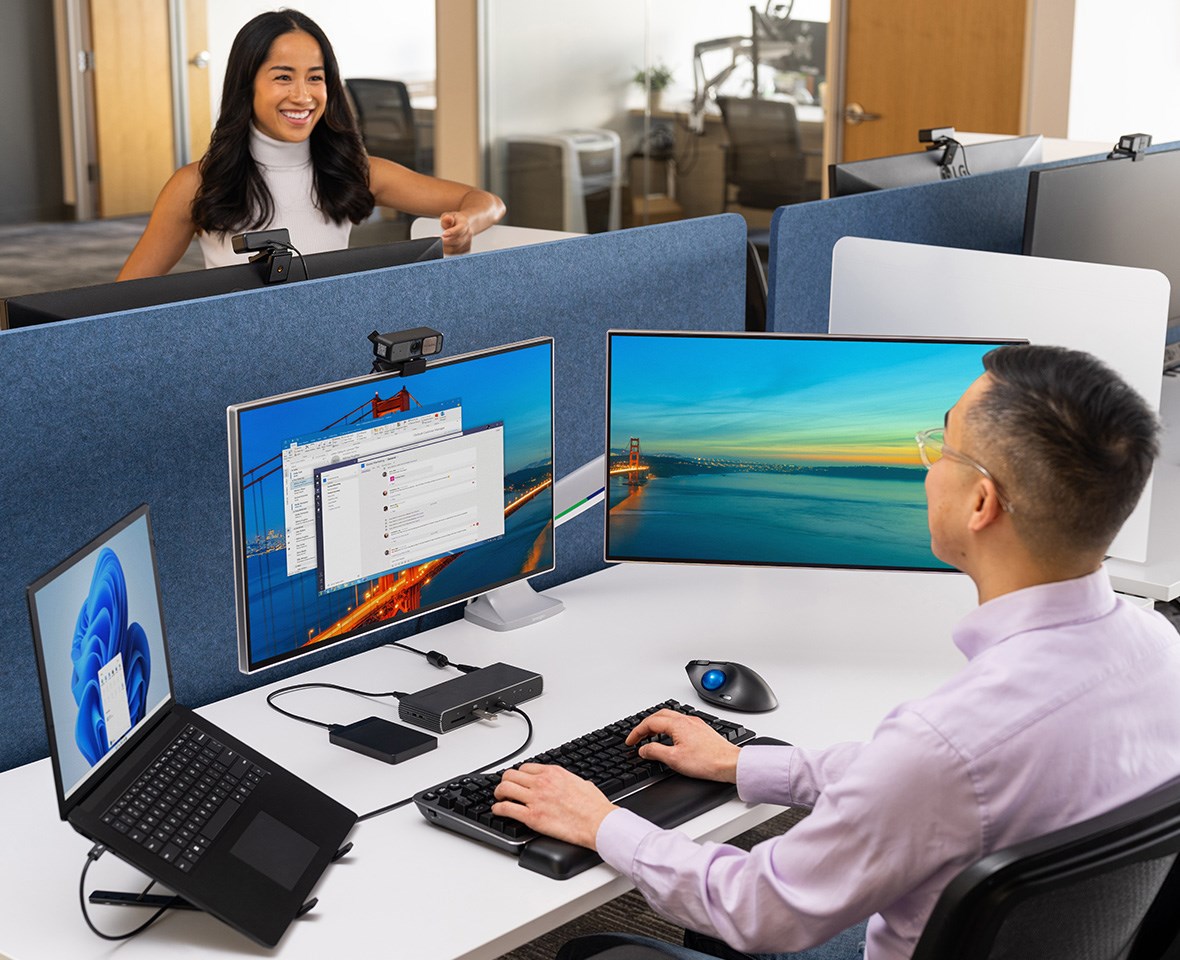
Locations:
286 168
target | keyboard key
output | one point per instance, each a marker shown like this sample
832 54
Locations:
194 784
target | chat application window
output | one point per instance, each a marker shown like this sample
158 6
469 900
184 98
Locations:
409 505
302 457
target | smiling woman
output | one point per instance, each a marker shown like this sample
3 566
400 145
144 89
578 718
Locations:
286 153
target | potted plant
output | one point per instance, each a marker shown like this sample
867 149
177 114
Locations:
654 79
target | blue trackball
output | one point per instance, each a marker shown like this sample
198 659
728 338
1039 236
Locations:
713 679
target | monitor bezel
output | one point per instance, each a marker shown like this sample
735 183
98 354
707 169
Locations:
608 557
237 532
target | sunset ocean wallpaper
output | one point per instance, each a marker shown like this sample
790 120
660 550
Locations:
776 449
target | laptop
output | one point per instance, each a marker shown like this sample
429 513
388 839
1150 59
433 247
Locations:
194 808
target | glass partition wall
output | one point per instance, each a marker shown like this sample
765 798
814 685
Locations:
611 115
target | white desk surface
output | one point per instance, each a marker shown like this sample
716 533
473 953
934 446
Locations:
499 236
840 648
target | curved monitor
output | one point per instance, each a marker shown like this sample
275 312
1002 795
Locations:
776 449
909 169
360 504
116 297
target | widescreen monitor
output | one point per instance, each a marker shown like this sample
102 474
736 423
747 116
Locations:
359 504
1117 211
909 169
116 297
782 450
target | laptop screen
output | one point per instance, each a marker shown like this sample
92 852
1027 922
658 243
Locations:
99 636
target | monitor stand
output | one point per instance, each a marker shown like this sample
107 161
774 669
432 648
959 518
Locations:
510 606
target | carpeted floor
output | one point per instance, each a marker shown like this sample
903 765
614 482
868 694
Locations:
35 257
630 914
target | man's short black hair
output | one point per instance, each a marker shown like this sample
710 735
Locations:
1071 441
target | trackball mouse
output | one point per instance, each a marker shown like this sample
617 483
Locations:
731 685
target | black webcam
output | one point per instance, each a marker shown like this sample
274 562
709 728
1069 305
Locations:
271 249
1133 145
405 351
935 135
262 241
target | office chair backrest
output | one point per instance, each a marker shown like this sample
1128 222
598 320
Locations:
386 119
1105 889
765 157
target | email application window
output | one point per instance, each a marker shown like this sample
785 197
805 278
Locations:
302 456
408 505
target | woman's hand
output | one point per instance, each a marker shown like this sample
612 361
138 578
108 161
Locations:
456 232
462 211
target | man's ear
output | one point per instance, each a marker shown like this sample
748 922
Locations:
986 508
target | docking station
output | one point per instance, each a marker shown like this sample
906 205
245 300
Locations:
454 702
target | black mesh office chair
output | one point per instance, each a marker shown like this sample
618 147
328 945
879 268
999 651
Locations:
386 119
764 159
1105 889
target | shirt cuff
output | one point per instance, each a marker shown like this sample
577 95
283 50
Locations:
619 836
764 774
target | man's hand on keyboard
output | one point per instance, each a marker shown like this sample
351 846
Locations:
553 801
696 750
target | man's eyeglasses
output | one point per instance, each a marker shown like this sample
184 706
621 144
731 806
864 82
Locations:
932 448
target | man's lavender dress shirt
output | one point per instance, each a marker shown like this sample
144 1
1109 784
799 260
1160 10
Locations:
1069 705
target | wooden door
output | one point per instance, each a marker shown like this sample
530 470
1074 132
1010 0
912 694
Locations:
196 35
929 63
132 103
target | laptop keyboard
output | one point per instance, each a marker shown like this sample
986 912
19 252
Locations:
601 756
185 797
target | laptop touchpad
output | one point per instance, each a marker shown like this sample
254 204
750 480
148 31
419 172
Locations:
275 850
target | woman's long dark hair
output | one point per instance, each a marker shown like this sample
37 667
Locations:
233 196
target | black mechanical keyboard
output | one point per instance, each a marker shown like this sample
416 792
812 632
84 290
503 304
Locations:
601 756
185 797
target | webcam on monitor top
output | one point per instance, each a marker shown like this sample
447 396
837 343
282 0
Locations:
1133 145
405 351
935 135
943 137
271 249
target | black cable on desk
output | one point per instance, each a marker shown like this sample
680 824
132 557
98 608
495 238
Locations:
326 686
494 763
434 657
95 852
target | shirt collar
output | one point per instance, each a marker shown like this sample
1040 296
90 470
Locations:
269 152
1034 608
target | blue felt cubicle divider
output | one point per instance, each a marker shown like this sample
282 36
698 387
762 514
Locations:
982 212
102 414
